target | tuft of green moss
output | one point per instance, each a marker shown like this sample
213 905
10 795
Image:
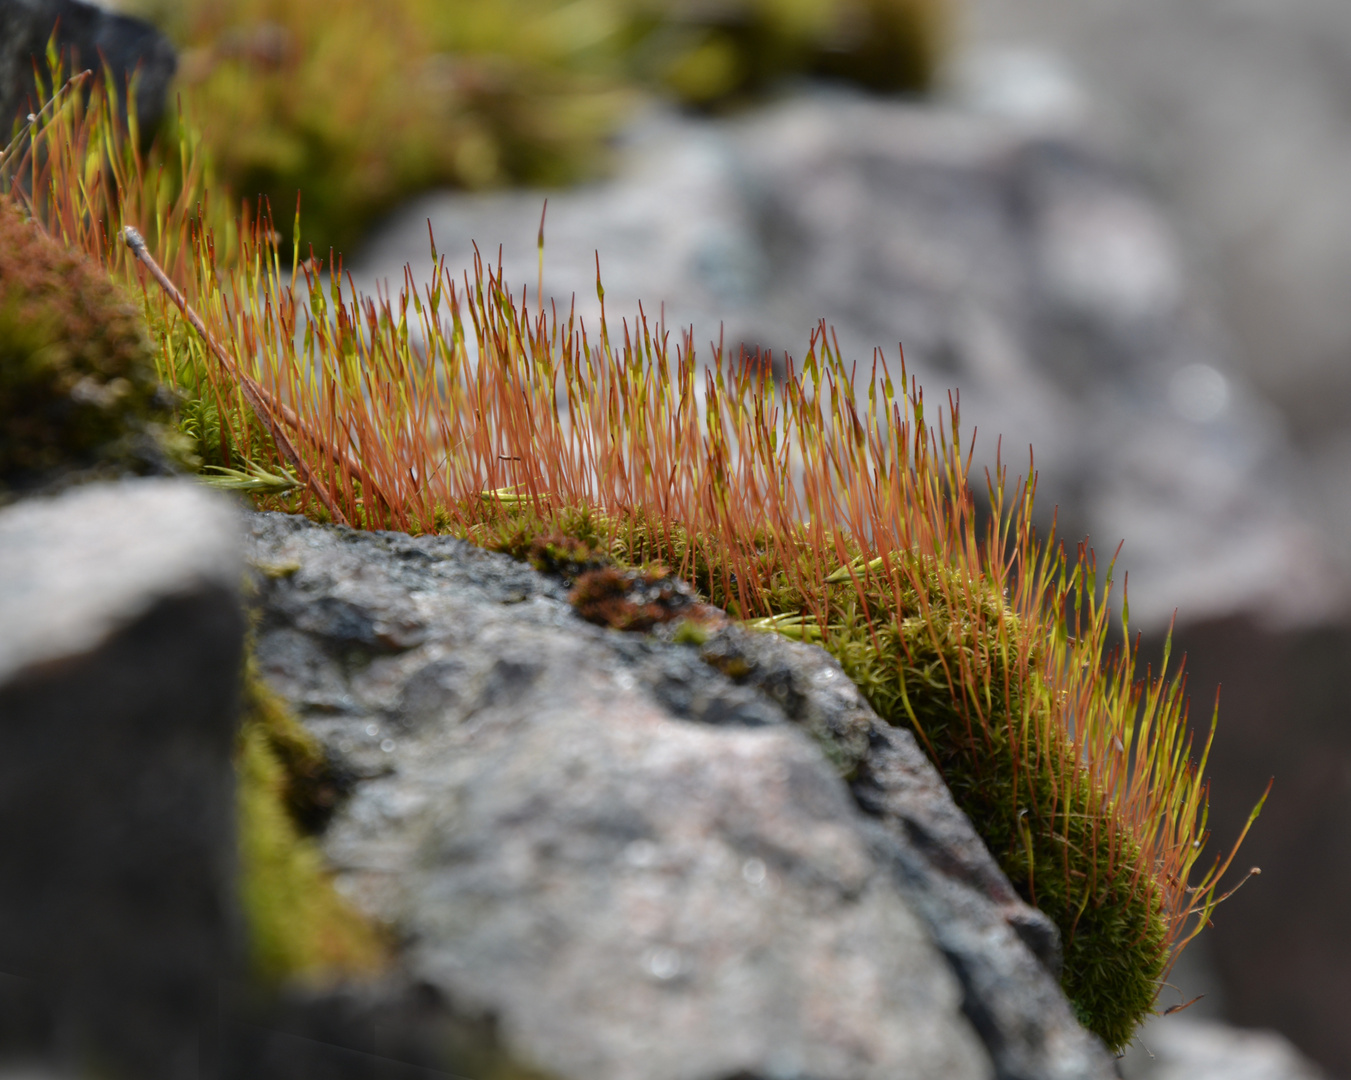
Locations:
902 652
79 393
710 57
932 644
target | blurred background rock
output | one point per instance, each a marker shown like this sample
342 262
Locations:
359 104
1235 115
1119 226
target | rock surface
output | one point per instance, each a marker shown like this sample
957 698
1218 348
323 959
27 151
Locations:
88 37
1236 114
120 639
1179 1048
634 853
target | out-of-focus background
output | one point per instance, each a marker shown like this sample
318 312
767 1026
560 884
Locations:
1120 227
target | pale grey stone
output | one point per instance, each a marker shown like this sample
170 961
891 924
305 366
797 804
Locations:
75 569
1181 1048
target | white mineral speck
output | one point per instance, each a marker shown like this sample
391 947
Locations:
640 853
662 963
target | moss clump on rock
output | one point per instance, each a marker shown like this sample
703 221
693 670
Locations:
710 56
78 389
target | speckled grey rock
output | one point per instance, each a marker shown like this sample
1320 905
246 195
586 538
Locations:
647 859
120 640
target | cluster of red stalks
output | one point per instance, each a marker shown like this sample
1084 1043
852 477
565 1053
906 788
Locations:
431 410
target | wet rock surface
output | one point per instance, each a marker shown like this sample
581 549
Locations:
646 858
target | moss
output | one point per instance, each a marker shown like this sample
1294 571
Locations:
299 927
217 431
690 632
566 556
79 396
740 49
904 657
930 648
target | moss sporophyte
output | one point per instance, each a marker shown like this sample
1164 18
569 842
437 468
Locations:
830 506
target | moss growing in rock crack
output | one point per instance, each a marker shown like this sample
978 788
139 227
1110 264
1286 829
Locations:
79 396
299 927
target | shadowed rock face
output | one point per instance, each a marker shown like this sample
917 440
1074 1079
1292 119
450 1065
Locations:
635 854
88 37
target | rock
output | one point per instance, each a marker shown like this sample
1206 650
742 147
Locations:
1215 103
1022 268
89 37
120 640
1179 1048
640 857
